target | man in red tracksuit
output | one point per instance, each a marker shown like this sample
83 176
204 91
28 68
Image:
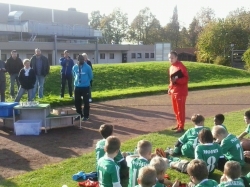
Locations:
178 89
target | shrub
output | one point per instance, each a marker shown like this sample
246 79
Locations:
220 60
246 58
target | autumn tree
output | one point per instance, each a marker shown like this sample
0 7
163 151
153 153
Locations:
145 27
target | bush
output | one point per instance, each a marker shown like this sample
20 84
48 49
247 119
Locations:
246 58
220 60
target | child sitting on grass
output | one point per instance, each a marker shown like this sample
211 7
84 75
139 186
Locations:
198 173
230 146
231 175
208 151
146 177
247 121
188 141
144 149
106 131
219 120
160 165
107 169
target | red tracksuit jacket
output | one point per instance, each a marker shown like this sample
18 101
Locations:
181 85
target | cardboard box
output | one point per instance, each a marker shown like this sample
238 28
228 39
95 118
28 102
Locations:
63 111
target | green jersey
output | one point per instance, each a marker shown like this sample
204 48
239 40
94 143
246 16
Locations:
248 178
135 164
108 172
248 129
158 184
232 149
207 183
235 183
190 140
210 153
100 152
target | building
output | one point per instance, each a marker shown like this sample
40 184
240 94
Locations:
25 28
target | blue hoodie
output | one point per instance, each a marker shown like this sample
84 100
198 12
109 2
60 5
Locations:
83 79
67 65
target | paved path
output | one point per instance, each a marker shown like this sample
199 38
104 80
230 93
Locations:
131 117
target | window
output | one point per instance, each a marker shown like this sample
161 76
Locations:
146 55
152 55
132 55
138 55
75 56
102 55
4 57
29 56
111 55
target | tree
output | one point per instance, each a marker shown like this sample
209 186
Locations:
184 38
241 16
193 32
216 37
205 16
171 30
95 19
114 27
145 27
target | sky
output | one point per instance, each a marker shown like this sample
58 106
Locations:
162 9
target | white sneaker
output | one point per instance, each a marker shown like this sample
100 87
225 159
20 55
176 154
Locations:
90 100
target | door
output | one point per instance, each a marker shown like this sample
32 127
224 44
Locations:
124 57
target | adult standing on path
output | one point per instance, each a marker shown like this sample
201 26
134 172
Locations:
86 59
66 73
2 80
82 73
178 89
13 66
41 66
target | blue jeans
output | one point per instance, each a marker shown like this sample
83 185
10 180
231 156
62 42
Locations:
13 78
21 92
39 85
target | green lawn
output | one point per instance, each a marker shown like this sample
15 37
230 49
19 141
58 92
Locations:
59 174
137 79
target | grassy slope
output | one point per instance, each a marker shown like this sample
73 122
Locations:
136 79
59 174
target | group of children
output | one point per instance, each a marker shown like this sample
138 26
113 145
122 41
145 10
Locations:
209 149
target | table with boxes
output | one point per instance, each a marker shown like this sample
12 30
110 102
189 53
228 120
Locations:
34 117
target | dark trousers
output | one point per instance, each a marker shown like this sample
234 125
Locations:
65 78
2 91
82 92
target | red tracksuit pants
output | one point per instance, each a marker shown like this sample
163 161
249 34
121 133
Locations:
178 103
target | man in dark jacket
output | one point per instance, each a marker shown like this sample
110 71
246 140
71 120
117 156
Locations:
86 60
13 66
41 66
2 80
66 73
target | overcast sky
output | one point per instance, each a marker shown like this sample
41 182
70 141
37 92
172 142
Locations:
162 9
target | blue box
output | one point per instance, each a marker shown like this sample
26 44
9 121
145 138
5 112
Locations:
6 109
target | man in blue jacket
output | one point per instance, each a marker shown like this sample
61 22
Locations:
66 73
82 73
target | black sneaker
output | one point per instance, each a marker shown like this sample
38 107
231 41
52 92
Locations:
85 119
77 118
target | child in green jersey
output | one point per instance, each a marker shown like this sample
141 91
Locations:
160 164
144 149
208 151
231 176
230 145
107 169
146 177
188 141
247 121
219 120
198 173
106 131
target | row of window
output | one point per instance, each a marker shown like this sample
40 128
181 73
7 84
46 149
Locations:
139 55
